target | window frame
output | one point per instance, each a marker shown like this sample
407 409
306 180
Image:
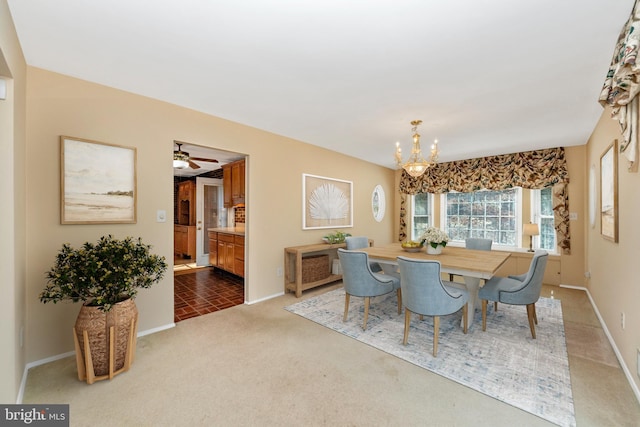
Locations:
536 217
430 214
518 215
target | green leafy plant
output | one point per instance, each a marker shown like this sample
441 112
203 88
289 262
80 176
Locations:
104 273
337 237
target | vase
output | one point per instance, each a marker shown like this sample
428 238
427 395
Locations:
434 251
105 342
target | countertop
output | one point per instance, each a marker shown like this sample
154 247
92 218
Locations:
238 231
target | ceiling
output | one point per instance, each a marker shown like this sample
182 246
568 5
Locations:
485 76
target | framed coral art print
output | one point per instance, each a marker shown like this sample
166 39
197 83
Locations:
97 182
327 202
609 192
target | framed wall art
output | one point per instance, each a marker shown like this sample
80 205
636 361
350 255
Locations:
97 182
326 202
609 192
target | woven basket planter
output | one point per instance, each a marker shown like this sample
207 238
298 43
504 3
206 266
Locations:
105 342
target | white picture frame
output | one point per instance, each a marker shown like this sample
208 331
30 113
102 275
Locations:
326 202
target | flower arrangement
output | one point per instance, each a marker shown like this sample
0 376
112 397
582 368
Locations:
104 273
434 237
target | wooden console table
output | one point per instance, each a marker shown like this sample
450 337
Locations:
293 266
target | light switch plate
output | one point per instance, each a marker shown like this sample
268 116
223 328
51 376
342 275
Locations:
161 216
573 216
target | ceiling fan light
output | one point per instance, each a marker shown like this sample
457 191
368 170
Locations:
180 164
180 159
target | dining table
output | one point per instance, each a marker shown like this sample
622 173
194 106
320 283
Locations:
472 265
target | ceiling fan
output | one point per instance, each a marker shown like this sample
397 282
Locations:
181 159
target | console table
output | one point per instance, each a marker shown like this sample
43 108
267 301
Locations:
293 266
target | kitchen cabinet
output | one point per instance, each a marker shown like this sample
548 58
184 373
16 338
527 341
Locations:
187 203
237 182
184 241
226 251
184 231
233 183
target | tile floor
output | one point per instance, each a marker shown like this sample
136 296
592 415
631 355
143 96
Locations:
205 290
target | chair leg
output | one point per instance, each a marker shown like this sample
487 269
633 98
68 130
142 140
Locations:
407 321
484 314
346 306
451 277
436 333
535 316
465 316
399 293
367 302
495 306
531 309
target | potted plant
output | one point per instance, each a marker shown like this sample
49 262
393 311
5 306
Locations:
434 239
337 237
105 277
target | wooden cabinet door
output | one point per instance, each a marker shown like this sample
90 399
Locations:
226 186
237 182
213 248
238 253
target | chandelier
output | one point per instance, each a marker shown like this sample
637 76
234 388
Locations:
416 165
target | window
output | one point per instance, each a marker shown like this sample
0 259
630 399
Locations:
485 214
422 214
542 209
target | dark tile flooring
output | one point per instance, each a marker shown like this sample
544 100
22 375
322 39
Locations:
205 291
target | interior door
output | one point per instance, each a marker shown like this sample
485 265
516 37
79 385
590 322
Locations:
209 214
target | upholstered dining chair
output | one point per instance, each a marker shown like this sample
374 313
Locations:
361 242
523 289
360 281
477 244
424 293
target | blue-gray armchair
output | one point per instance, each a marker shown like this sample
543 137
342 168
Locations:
424 293
361 242
360 281
477 244
523 289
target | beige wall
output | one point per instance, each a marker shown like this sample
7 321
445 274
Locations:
12 226
61 105
614 283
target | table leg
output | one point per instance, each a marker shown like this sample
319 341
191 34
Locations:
473 286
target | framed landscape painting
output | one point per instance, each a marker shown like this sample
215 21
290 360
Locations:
98 182
326 202
609 192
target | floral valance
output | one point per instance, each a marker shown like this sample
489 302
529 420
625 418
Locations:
530 169
622 84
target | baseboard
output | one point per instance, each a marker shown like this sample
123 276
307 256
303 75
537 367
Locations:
625 369
279 294
25 373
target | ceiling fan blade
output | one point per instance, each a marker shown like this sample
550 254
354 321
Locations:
202 159
193 165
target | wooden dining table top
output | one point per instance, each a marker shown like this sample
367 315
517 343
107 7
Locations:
456 260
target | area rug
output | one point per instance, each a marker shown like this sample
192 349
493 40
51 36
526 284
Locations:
504 362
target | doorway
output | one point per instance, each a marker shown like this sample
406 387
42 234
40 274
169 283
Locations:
199 287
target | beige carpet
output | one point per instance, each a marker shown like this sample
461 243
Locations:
260 365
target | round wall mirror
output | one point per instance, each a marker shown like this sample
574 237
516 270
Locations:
378 203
